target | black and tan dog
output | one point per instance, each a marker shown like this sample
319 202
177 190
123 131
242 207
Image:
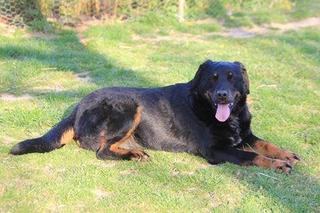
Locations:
207 116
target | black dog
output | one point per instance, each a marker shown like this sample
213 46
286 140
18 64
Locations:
207 116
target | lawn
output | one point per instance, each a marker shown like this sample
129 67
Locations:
48 74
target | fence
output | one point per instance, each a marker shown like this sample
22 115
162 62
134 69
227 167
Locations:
71 12
20 12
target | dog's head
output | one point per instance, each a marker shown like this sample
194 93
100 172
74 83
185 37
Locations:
223 85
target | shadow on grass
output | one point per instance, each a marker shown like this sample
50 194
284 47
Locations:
66 53
63 52
297 192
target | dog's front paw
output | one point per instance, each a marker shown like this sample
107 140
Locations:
282 166
290 157
139 155
277 164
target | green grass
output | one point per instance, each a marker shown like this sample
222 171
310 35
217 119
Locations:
285 85
254 12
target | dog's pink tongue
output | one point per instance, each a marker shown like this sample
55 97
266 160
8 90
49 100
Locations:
223 112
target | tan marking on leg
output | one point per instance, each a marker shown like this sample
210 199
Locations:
102 139
127 145
67 136
131 144
136 120
262 161
270 150
265 148
265 162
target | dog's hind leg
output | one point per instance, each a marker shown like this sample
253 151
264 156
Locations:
123 146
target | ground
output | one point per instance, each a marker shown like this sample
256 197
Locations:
42 76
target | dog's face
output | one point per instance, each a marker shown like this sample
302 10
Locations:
224 85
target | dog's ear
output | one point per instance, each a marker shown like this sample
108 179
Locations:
244 76
196 80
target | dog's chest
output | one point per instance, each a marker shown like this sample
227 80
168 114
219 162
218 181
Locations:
226 134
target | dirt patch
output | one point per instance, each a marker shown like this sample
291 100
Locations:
239 32
206 21
43 36
128 172
2 189
80 28
9 31
83 76
48 170
6 140
176 36
11 97
243 32
6 30
82 39
273 27
89 23
213 201
49 88
309 22
100 194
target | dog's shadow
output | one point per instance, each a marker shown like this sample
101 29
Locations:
296 192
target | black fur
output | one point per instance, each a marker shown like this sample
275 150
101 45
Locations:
178 118
47 142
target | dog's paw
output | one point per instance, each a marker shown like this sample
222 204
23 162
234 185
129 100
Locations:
290 157
139 155
282 166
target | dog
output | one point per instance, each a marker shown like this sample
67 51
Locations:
207 116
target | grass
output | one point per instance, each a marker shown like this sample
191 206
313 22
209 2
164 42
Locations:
285 85
255 12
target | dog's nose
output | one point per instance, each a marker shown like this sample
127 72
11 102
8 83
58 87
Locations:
222 94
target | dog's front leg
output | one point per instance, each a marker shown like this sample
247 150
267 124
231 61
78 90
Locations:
246 158
262 147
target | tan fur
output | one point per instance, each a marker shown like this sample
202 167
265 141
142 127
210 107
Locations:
67 136
266 149
265 162
117 147
262 161
102 139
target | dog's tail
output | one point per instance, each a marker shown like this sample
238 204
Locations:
57 137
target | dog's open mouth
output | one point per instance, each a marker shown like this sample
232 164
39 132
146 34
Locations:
223 111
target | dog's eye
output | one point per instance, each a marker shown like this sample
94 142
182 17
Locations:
230 75
215 76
